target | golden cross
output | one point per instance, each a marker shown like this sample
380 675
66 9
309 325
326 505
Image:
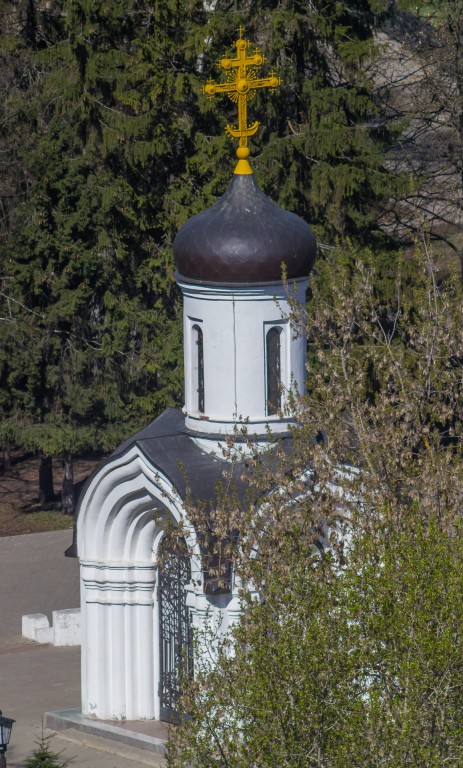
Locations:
241 85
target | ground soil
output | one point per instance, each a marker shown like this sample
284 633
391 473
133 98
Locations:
20 511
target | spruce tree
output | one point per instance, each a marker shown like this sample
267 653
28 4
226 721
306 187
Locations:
96 322
120 148
320 151
44 756
15 70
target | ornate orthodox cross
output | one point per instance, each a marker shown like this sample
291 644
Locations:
241 85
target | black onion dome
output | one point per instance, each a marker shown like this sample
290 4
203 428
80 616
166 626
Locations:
244 238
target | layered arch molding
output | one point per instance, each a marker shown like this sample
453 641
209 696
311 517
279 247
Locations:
123 512
120 526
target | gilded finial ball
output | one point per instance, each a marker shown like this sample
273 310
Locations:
242 85
242 153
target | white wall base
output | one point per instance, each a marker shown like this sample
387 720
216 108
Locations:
65 628
44 635
32 622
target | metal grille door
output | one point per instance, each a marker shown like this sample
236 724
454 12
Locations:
175 631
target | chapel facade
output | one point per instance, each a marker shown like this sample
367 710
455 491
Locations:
242 359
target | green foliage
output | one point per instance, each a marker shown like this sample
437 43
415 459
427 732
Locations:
93 336
350 647
357 666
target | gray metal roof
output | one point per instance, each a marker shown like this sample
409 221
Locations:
171 450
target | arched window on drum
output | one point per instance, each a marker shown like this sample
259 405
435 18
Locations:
198 368
273 372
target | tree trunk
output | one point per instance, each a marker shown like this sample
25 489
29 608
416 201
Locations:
67 489
6 456
46 491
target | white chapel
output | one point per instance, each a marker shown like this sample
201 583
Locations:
242 358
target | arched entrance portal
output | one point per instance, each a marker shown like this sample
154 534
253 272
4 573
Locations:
175 653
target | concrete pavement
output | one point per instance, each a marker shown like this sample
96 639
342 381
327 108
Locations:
35 577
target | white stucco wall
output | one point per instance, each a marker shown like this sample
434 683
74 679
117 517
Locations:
235 321
120 527
125 508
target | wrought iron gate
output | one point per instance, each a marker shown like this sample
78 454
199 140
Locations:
176 657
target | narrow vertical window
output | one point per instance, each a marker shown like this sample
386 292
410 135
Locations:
198 369
273 371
